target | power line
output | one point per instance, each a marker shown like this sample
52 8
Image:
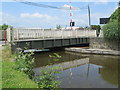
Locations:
45 6
36 4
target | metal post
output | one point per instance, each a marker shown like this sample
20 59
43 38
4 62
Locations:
89 16
70 14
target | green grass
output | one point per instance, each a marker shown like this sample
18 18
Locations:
12 78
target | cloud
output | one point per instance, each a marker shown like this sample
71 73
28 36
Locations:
36 15
68 7
29 20
101 2
7 18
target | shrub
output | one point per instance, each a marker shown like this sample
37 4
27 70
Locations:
24 62
47 78
111 30
115 16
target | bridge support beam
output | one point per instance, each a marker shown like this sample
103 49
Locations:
49 43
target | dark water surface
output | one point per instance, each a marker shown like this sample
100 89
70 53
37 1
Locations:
83 70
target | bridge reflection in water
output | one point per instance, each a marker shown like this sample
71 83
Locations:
87 71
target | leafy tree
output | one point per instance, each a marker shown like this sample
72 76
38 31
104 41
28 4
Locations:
59 27
81 28
5 26
95 27
112 29
115 16
0 27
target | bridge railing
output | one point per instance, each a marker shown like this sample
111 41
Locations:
19 34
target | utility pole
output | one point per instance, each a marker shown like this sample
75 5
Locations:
89 16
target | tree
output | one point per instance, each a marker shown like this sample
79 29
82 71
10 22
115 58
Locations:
112 29
0 27
5 26
115 16
95 27
59 27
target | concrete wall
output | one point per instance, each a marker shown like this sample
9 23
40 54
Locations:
100 43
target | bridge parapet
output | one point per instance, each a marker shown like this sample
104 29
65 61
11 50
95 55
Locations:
23 33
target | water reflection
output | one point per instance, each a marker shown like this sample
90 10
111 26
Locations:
84 70
42 59
109 70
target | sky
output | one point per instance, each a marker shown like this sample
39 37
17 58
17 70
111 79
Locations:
18 14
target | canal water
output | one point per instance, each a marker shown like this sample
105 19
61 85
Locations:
83 70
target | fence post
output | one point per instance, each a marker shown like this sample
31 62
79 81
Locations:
12 35
86 33
8 34
62 34
76 34
43 33
5 36
17 34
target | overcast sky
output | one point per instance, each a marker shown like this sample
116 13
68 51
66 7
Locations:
23 15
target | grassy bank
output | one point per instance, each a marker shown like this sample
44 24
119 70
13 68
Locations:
12 78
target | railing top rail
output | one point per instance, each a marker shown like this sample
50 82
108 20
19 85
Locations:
52 29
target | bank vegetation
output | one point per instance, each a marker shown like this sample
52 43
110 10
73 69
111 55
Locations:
112 29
